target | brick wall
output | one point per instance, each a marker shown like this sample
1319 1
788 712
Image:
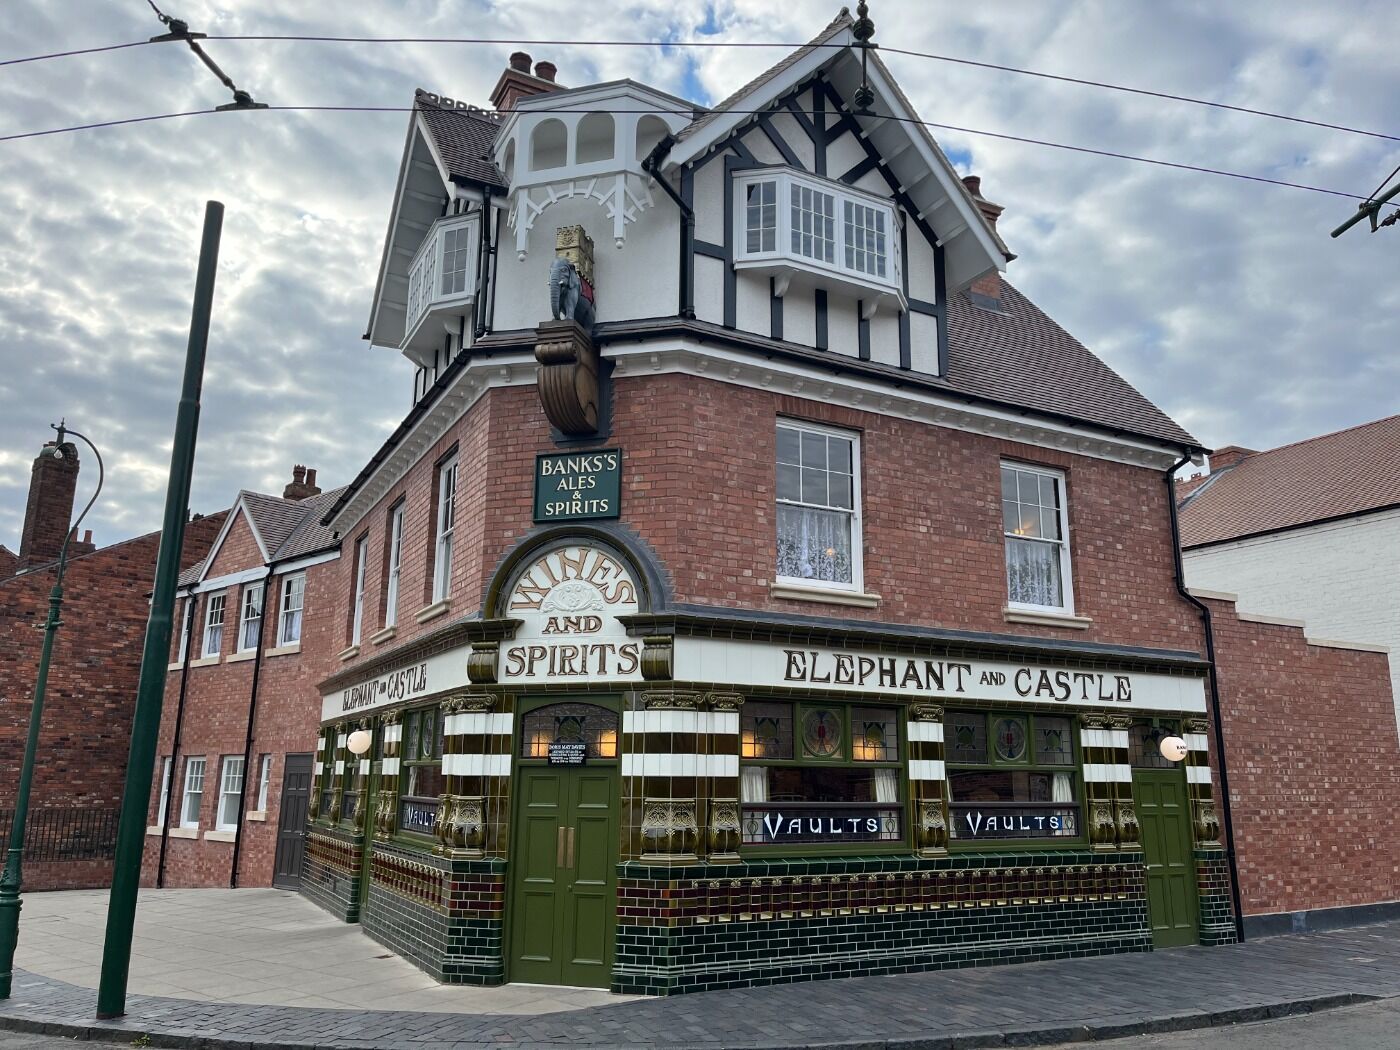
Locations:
698 486
1314 767
93 675
215 724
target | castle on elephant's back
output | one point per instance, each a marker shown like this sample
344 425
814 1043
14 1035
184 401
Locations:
759 587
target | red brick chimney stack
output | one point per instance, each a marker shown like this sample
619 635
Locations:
53 482
1229 456
516 82
988 285
303 484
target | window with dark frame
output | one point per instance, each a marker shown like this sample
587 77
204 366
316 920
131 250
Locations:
328 779
423 783
1145 743
1011 776
820 773
588 724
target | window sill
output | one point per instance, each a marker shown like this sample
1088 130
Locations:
154 829
205 661
238 658
432 612
175 666
257 815
185 833
284 650
219 836
1046 619
380 637
817 593
348 653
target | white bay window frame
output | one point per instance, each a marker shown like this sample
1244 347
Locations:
1033 535
793 191
443 273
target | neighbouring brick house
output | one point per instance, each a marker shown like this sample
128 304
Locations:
85 733
800 601
255 621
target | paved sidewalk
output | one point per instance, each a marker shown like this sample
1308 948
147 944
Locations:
1029 1004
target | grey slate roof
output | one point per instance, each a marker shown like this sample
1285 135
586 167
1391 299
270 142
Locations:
290 528
1018 354
463 138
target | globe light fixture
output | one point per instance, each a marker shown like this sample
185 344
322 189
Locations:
359 741
1173 748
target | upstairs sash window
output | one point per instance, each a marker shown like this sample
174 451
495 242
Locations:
1037 549
293 595
818 505
358 617
391 593
446 526
250 623
214 625
456 260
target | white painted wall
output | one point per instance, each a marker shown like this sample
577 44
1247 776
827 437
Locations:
1342 578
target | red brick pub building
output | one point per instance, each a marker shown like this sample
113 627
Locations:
769 592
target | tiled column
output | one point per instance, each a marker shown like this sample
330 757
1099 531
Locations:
662 768
342 733
928 788
476 762
357 774
1108 781
719 732
387 798
319 772
1204 821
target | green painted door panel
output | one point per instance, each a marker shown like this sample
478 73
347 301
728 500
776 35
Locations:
1163 812
563 887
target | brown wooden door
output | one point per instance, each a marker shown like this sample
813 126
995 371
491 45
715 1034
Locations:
291 822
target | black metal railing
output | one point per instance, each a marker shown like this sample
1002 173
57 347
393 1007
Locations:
64 834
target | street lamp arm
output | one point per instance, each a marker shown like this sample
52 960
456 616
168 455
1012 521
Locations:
64 432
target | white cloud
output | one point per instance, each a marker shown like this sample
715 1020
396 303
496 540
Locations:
1225 302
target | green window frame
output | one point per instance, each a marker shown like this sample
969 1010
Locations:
1145 739
421 780
821 775
1014 778
326 786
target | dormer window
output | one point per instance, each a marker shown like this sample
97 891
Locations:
793 225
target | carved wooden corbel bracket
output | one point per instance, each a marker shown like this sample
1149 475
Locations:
568 376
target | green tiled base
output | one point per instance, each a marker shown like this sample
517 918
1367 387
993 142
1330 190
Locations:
1217 909
330 874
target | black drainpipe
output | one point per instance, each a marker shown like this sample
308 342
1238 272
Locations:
248 740
484 277
687 226
175 743
1216 717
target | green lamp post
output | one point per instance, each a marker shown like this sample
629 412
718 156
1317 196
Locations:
10 902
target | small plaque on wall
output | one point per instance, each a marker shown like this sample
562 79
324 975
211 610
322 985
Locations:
567 753
578 486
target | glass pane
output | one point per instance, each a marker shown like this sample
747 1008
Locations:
1054 746
1033 573
1029 486
967 737
825 784
1144 744
1010 515
840 494
1049 523
766 731
789 445
594 727
410 734
813 449
874 735
822 733
789 481
814 488
839 454
989 785
814 544
1048 492
1010 739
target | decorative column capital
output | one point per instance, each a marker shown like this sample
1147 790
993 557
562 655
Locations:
1195 725
1120 721
924 712
1093 720
468 702
725 701
671 699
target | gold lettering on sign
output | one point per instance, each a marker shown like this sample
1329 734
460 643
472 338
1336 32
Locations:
589 565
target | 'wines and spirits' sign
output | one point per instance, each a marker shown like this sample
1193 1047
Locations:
578 486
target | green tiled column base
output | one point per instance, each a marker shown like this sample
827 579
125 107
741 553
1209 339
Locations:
330 875
1217 907
442 914
768 922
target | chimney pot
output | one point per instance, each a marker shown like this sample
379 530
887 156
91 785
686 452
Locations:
546 70
311 478
298 474
1229 456
973 184
520 61
87 535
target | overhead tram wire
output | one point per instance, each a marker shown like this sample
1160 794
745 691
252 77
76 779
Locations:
1102 85
71 54
743 112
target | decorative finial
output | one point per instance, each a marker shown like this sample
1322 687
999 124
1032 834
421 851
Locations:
863 30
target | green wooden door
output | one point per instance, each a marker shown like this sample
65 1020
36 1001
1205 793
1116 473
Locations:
1164 815
563 886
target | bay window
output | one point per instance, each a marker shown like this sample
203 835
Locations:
819 773
790 223
818 505
1036 526
1011 776
441 278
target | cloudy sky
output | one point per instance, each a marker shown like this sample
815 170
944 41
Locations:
1224 301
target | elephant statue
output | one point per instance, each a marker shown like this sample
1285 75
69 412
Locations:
569 298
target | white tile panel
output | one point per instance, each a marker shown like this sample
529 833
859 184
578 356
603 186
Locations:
926 732
477 723
1100 773
390 767
652 765
476 765
1196 742
925 769
1198 774
1103 738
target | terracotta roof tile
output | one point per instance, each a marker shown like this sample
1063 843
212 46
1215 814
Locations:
1335 475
